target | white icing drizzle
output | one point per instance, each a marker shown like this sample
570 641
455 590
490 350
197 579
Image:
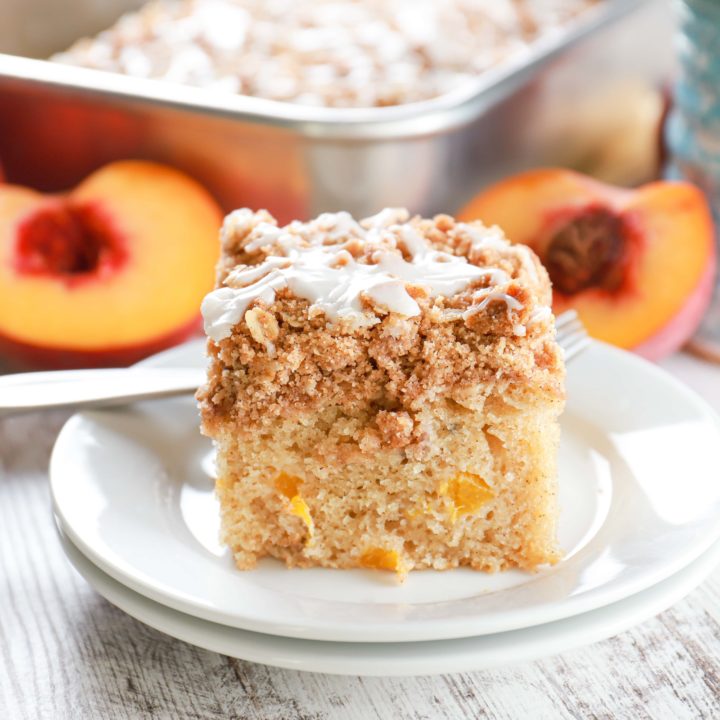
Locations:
528 263
544 312
238 222
540 314
411 241
386 217
265 234
312 260
485 296
491 238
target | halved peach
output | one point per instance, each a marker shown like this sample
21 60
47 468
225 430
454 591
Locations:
637 265
112 271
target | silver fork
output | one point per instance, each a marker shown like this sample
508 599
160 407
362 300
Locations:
571 336
117 386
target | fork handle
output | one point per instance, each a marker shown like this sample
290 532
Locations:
24 392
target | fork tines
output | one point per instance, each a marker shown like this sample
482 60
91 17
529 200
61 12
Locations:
571 334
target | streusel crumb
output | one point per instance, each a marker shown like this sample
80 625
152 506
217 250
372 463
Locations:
340 53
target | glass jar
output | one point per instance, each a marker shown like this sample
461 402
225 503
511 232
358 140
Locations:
693 127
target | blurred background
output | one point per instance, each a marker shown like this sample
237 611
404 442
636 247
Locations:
310 107
588 93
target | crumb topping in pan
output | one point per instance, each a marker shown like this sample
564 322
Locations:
334 53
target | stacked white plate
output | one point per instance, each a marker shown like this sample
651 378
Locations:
640 525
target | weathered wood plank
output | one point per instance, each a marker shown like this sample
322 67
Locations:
66 653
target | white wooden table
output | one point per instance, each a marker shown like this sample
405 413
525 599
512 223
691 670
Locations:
67 653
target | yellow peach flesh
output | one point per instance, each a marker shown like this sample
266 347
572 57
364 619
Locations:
667 265
467 492
168 225
381 559
287 485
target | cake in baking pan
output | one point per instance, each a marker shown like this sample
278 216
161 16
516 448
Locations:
335 53
382 393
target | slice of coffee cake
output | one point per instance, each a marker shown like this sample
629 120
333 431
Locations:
382 394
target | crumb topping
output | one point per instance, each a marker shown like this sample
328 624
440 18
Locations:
354 272
278 357
340 53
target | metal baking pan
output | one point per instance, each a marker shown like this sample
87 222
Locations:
57 122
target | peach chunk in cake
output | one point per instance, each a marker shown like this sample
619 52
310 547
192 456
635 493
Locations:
382 394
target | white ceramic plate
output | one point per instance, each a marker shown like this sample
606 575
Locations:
418 658
639 463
